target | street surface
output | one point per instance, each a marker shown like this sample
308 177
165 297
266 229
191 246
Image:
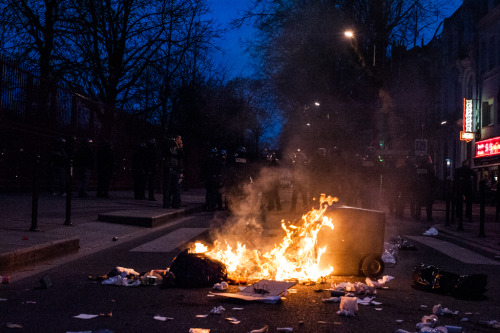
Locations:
26 303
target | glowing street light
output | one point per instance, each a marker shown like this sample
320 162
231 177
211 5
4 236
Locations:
350 34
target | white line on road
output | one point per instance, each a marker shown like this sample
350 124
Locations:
454 251
170 241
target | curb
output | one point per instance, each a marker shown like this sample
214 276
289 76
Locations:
16 260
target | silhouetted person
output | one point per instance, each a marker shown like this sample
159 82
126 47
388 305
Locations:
464 182
299 180
273 196
105 168
212 176
425 186
84 163
173 154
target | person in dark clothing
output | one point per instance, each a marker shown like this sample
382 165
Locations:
105 168
299 180
173 155
425 186
212 176
273 196
464 179
150 168
58 163
139 171
84 163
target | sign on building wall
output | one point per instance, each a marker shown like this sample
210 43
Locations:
489 147
467 134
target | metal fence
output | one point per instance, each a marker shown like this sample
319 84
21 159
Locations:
33 115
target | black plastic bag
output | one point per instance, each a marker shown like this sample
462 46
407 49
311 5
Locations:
431 278
197 270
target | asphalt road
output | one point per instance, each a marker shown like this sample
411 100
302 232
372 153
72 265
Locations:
24 302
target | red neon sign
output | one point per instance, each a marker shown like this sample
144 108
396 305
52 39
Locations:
490 147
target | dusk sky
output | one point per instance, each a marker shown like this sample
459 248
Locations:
234 57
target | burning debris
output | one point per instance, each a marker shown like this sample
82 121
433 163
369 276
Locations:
296 257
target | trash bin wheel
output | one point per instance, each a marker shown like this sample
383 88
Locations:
372 266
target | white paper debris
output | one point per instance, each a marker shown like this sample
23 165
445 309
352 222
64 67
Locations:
221 286
161 318
202 316
346 313
217 310
431 232
261 330
233 320
438 310
199 330
237 309
85 316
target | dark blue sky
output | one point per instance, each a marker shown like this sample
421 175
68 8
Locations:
233 55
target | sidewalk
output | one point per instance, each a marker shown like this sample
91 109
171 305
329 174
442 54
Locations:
21 248
488 241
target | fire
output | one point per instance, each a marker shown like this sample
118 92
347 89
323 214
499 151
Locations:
296 257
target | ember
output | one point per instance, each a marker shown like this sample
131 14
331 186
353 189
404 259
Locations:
296 257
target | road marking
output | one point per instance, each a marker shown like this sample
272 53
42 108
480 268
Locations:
454 251
170 241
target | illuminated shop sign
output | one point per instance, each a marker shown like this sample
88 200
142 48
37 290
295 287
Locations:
467 134
490 147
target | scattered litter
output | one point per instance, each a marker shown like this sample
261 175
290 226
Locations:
106 315
201 316
402 243
292 291
260 330
400 330
464 319
233 320
332 300
378 309
3 299
10 325
431 278
210 295
217 310
237 309
438 310
399 320
348 303
266 291
423 306
199 330
161 318
431 232
221 286
453 329
85 316
380 282
122 280
346 313
284 329
30 302
368 301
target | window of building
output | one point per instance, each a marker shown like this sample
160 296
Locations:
487 113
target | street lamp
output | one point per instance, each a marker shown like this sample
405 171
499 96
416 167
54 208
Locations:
350 34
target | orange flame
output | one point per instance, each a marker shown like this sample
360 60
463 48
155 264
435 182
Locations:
296 257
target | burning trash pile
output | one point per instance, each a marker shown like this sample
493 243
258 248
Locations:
297 257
